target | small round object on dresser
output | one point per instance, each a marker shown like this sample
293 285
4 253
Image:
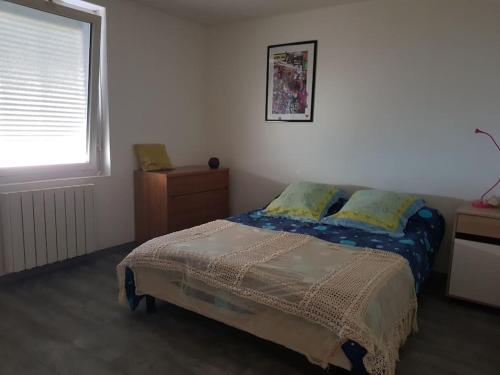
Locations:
213 163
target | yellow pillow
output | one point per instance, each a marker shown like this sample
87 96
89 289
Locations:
152 157
377 211
304 200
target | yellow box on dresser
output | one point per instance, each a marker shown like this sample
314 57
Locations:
474 273
181 198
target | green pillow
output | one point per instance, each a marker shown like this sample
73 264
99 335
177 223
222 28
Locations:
152 157
305 201
377 211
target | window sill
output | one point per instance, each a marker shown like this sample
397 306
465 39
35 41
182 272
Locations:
74 177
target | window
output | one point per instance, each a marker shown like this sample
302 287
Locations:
49 91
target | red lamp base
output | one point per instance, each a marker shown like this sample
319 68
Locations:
481 204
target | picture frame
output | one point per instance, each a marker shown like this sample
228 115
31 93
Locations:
291 81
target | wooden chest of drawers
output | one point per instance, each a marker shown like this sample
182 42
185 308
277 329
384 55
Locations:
178 199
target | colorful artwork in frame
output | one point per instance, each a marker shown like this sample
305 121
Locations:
291 71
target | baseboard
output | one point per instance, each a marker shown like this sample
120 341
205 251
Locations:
18 276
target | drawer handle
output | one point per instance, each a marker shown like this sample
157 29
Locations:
477 238
179 195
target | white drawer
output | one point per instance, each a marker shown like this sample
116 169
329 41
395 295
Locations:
475 272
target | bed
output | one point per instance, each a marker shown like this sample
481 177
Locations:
266 275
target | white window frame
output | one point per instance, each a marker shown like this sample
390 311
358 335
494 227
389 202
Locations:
95 129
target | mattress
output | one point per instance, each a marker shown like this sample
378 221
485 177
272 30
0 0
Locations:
419 245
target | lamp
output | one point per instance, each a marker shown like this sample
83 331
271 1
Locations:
482 203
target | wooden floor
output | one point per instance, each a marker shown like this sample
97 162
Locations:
68 321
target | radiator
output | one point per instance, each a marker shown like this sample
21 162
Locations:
46 226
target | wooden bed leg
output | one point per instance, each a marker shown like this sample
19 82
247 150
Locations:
150 304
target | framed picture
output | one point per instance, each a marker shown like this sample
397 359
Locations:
291 74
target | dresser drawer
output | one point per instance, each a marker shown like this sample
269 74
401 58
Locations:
475 272
189 184
186 211
166 201
479 226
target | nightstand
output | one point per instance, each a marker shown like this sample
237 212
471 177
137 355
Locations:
178 199
474 273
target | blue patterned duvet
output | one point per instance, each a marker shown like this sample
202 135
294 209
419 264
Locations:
419 246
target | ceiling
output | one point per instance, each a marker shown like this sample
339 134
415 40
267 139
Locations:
213 12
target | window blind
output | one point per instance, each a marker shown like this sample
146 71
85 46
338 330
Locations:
44 88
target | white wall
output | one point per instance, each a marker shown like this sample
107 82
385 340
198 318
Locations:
401 85
156 83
